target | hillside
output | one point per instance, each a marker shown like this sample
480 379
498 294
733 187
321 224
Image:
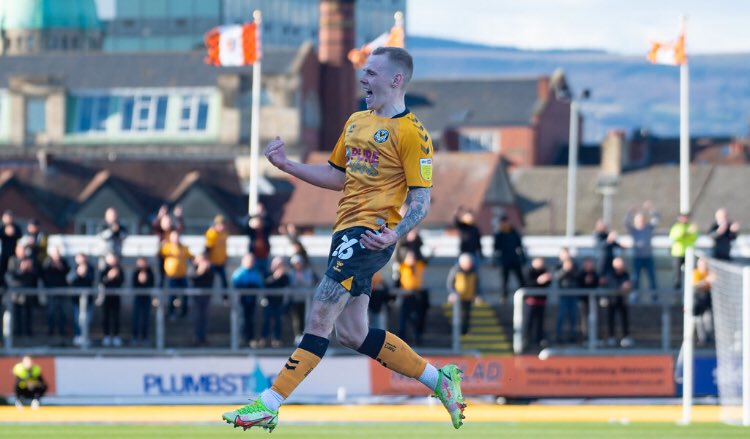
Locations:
627 92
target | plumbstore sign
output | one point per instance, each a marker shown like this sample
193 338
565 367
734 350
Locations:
199 376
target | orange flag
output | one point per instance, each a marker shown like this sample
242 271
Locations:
393 38
233 45
672 53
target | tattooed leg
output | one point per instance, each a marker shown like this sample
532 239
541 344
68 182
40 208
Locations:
329 300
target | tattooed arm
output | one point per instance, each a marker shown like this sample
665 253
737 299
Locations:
418 205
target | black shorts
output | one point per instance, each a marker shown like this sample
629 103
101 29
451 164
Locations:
351 264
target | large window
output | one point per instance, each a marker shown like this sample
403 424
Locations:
194 112
479 141
144 113
92 113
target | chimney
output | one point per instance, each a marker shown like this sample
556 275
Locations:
337 78
613 153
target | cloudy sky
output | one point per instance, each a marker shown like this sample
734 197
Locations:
621 26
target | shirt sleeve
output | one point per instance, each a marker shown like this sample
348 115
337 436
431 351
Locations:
338 157
415 149
211 236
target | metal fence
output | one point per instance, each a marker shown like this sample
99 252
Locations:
162 294
665 301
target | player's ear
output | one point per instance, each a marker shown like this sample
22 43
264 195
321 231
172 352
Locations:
398 79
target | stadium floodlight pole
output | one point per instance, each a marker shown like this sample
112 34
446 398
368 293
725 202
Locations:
252 205
688 320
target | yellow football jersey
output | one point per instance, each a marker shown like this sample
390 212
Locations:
382 158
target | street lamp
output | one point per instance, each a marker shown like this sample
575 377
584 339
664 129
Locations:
573 140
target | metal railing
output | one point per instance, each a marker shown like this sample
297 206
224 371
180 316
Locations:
665 300
163 294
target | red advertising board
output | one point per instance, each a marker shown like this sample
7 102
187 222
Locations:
528 376
8 381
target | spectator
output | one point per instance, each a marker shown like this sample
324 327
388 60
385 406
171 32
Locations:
9 237
380 297
587 279
112 276
216 249
258 231
161 226
463 285
113 233
509 255
723 232
411 242
411 278
641 226
537 277
83 277
176 256
29 382
142 280
23 275
302 276
35 244
469 234
607 248
619 281
568 306
203 278
54 275
702 279
273 310
683 235
248 276
297 247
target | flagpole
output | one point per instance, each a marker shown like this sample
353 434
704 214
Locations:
688 298
252 207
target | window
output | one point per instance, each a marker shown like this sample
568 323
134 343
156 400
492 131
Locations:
479 141
194 113
92 113
144 113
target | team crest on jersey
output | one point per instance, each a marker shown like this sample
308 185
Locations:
425 169
381 136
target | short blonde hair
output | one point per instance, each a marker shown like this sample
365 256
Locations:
399 57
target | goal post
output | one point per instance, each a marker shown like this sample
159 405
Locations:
730 293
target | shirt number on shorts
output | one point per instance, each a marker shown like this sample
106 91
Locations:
345 250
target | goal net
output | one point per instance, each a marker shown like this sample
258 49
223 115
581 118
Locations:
730 293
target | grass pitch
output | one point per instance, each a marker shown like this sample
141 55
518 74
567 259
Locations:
381 430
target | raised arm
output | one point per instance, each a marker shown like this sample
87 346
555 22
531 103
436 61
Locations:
321 175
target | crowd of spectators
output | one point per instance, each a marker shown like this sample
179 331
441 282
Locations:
27 262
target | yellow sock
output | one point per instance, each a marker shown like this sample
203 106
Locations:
299 365
397 356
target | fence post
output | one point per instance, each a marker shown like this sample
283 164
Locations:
83 320
8 322
234 320
593 324
160 320
666 323
518 321
456 329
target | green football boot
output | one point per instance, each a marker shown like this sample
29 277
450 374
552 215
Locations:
253 415
448 391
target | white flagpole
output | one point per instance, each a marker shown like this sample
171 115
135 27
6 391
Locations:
688 299
252 208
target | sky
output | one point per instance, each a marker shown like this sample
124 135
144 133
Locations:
619 26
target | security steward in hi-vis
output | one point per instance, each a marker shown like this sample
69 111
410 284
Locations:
29 382
382 160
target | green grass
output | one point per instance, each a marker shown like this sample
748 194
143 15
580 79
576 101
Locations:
381 431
